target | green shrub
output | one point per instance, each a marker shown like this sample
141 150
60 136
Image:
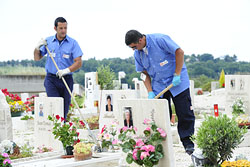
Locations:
218 137
206 86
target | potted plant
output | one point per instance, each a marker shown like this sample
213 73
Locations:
82 151
17 107
64 132
217 137
243 120
146 150
30 103
5 160
93 122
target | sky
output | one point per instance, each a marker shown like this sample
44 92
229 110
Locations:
218 27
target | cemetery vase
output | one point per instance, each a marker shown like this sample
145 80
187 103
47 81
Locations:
69 150
16 114
82 156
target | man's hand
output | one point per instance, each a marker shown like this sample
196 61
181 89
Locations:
63 72
41 43
151 95
176 80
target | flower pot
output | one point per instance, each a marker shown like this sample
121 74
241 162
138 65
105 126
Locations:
16 114
69 150
244 124
82 156
93 126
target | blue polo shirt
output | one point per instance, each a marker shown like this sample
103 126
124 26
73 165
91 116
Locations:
63 53
159 62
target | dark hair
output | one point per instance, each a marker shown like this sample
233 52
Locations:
132 36
61 20
108 97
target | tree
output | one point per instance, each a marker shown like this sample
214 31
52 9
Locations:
222 79
79 77
105 77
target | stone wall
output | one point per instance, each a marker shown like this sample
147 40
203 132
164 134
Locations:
22 83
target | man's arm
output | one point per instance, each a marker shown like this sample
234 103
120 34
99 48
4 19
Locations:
76 65
179 60
37 55
147 81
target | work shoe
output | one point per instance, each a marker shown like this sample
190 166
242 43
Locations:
189 150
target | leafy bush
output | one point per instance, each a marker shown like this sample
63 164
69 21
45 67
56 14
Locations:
105 77
218 137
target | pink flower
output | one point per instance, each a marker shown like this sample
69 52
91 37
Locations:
7 161
139 143
143 155
135 154
148 129
5 155
125 128
115 141
148 148
106 136
135 128
146 121
162 132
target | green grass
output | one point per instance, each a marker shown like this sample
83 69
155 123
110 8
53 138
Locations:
20 70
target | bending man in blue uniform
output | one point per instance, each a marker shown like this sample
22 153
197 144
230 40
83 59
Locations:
68 56
161 62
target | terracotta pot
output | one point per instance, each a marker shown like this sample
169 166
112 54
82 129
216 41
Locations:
93 126
81 156
244 124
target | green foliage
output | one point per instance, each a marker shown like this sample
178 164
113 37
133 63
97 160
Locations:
26 151
79 100
203 82
20 70
26 117
64 132
79 77
5 160
238 107
148 149
222 79
218 137
105 77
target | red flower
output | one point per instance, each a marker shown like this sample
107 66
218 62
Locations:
77 134
70 123
78 141
57 117
27 98
62 119
82 123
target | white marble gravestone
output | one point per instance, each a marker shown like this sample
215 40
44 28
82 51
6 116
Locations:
237 86
156 110
106 117
5 119
45 106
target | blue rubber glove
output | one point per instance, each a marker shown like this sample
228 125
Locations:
176 80
151 95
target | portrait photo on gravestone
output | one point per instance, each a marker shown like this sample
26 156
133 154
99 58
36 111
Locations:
128 118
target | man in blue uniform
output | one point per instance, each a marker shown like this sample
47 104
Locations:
67 55
161 62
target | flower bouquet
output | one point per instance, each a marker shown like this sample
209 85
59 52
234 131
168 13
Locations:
82 151
144 151
107 136
238 107
43 149
9 147
64 132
